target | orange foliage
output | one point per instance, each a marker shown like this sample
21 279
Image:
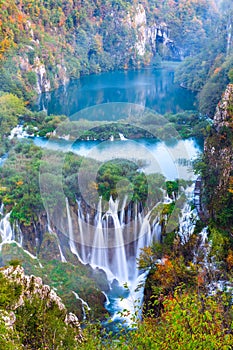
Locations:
11 19
171 273
165 272
230 189
230 259
201 279
62 22
4 45
217 70
20 18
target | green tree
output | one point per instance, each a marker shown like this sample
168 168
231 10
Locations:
11 107
230 76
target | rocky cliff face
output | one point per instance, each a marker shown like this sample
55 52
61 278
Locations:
218 162
30 61
109 38
32 287
147 36
224 113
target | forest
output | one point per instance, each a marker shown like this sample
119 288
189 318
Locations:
187 295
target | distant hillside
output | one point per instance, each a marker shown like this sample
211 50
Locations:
45 43
210 69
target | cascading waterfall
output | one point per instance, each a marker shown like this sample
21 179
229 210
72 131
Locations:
114 241
70 231
52 232
8 235
229 38
63 259
6 231
18 233
187 223
157 231
99 253
203 247
145 234
80 224
1 209
85 306
119 265
14 234
188 217
49 224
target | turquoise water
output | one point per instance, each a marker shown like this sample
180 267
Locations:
170 159
154 89
114 95
110 95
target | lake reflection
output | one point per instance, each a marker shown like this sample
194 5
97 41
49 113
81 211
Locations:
170 159
154 89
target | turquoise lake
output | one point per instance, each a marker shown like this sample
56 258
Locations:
111 96
154 89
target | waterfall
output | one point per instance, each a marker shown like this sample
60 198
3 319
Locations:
119 265
156 231
229 37
107 298
111 239
2 209
122 214
99 252
131 304
122 137
49 224
203 247
63 259
80 225
18 233
6 231
85 305
71 232
114 239
188 218
187 223
144 235
7 235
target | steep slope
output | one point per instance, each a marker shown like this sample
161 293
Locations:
217 169
32 315
45 43
208 70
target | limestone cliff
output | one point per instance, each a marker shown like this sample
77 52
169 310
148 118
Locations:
60 41
217 169
26 291
224 112
148 36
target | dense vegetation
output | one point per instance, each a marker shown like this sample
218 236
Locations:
44 43
188 321
35 319
20 189
215 167
209 70
64 278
